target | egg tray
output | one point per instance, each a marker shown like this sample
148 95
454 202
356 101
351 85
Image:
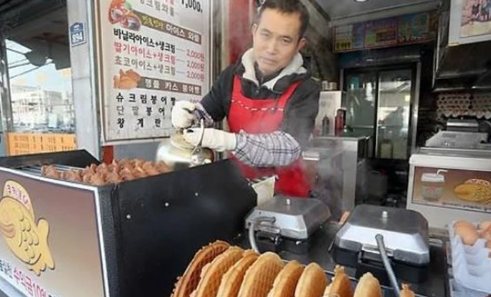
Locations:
471 265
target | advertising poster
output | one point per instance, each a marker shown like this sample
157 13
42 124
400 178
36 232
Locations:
402 30
414 28
49 244
343 38
476 18
151 54
452 188
381 33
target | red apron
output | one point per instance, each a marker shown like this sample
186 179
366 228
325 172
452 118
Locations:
266 116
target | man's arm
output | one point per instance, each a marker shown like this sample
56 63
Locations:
282 148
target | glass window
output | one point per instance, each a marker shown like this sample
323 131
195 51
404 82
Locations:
41 91
42 115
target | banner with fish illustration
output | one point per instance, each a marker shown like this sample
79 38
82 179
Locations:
452 188
49 242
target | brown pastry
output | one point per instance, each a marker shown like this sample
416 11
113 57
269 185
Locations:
114 178
86 177
138 172
368 286
122 162
138 162
212 275
51 172
259 278
152 171
340 286
127 175
102 168
97 180
191 277
162 167
312 283
406 292
485 225
286 281
232 280
73 175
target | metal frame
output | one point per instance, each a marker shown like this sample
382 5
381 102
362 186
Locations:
5 96
415 109
84 79
415 88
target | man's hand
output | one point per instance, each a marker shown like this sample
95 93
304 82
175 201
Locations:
214 139
183 115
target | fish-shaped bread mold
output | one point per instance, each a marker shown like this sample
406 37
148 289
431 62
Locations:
27 240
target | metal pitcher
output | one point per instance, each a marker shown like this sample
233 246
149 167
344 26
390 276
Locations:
178 154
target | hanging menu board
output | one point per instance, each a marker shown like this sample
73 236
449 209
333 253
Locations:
402 30
151 54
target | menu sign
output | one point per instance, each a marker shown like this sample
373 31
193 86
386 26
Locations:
452 188
407 29
151 53
381 33
349 37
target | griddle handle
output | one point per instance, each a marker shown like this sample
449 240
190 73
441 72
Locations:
252 229
385 259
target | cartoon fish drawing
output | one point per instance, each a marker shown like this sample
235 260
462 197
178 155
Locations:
27 240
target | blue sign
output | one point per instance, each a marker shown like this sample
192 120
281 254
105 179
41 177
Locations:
77 34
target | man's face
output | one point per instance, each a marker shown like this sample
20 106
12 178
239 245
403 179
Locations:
276 40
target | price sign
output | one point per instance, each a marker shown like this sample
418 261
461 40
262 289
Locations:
153 54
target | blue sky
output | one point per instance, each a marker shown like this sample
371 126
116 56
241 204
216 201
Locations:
46 76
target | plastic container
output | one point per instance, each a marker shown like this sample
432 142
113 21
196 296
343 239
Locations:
471 265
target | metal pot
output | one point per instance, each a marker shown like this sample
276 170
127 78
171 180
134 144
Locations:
178 154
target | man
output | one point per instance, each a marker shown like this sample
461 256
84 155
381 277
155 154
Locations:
268 98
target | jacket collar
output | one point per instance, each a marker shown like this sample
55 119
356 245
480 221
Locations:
294 68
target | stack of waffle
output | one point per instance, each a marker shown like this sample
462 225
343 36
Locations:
221 270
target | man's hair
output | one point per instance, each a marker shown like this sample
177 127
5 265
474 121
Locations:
287 7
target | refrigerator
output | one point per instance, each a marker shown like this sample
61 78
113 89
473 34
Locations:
381 103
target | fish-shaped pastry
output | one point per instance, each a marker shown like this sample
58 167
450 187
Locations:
26 239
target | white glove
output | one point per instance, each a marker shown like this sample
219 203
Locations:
214 139
182 114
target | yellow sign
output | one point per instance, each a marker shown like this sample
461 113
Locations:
27 240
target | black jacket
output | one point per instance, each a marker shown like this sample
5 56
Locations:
300 111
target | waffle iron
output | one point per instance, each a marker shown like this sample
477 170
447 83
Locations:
404 232
285 223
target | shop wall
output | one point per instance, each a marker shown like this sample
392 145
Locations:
238 22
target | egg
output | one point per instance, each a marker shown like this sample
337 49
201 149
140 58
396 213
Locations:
463 223
486 235
485 225
469 235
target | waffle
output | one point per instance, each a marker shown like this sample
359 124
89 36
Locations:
259 278
231 281
312 282
368 286
212 276
286 281
340 286
406 292
191 277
